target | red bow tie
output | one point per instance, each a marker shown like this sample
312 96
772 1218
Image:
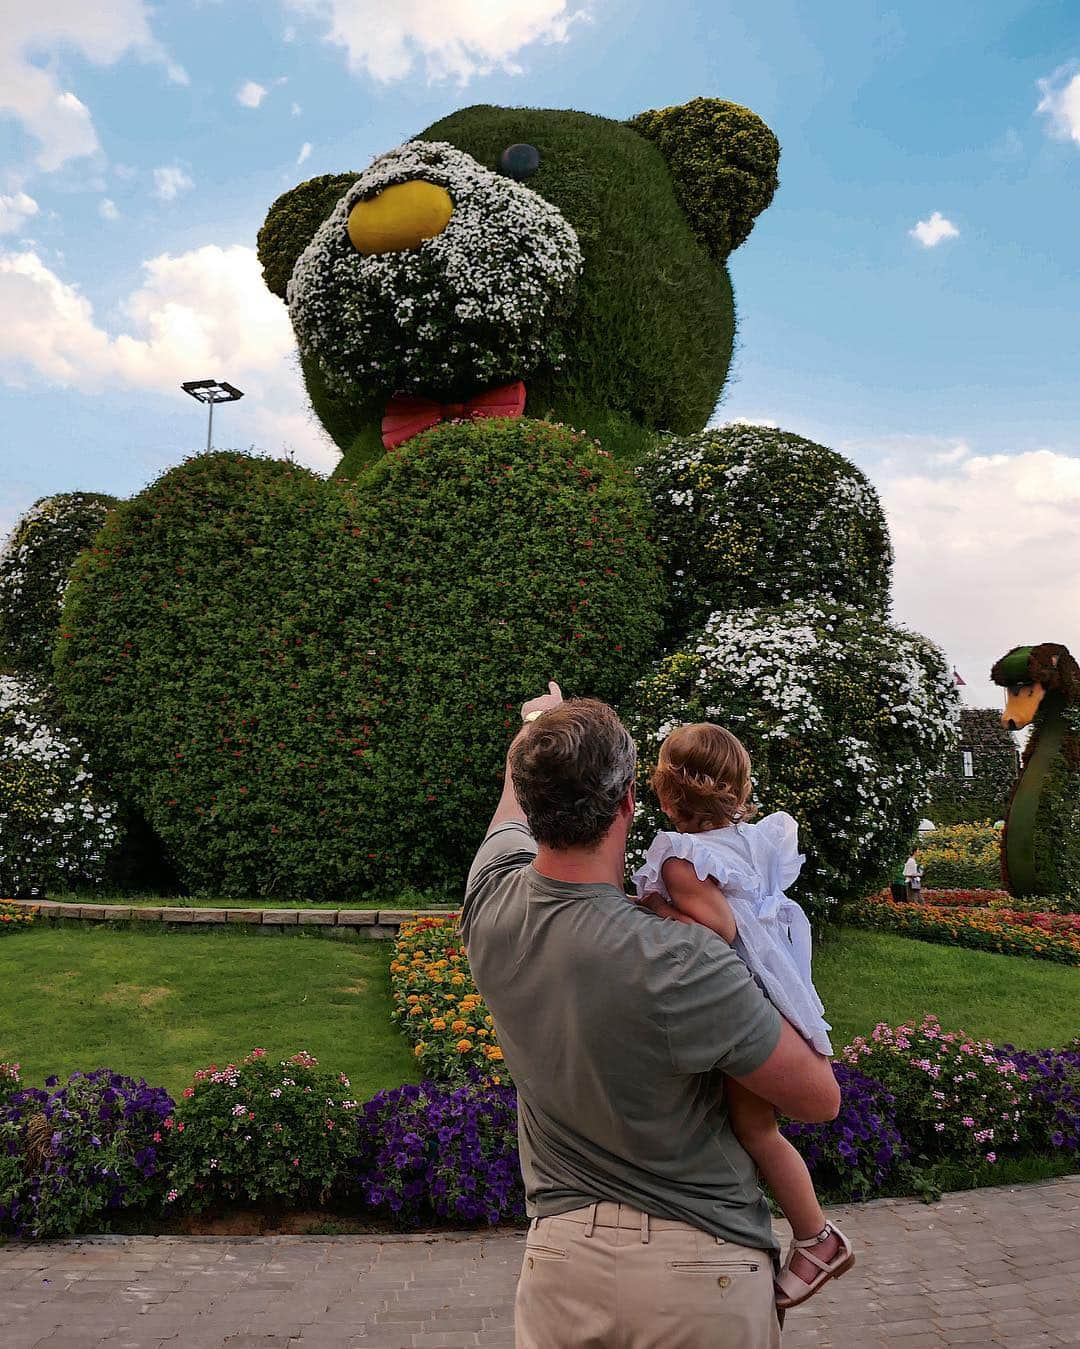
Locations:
407 416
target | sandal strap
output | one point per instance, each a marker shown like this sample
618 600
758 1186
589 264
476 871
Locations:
827 1231
823 1265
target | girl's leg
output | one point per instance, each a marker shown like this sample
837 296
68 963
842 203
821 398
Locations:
785 1172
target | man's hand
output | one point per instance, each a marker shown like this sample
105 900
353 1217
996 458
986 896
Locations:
545 702
655 902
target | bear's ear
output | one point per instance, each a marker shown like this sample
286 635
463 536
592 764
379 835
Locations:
723 159
291 223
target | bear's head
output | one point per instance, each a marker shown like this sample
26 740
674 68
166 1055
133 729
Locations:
582 257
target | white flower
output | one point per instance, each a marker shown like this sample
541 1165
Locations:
472 306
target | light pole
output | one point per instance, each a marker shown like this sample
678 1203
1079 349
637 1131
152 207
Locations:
211 391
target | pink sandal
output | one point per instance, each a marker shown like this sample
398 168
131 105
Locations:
792 1290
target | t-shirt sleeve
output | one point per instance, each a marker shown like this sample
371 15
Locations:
508 847
716 1015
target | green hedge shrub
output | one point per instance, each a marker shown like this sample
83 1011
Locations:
955 798
752 516
57 826
309 686
34 565
843 716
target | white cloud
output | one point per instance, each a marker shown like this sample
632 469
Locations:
203 313
931 232
108 209
250 94
305 152
15 211
987 555
32 86
1060 102
296 110
451 39
169 181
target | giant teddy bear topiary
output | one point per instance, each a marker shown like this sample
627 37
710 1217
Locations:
1040 844
582 257
307 685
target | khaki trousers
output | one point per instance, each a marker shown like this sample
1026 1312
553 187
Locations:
611 1277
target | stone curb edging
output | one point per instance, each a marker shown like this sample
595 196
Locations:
950 1198
374 923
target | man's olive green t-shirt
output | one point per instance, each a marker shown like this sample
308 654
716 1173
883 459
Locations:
617 1026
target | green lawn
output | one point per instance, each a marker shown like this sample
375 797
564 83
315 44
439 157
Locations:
867 977
161 1004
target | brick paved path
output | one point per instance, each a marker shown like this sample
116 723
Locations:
995 1267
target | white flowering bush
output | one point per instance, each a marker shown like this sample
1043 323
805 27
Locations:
477 304
35 562
750 515
845 717
57 827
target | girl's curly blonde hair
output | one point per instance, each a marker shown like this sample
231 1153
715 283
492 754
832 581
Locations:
702 778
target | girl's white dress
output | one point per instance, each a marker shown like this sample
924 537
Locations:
753 864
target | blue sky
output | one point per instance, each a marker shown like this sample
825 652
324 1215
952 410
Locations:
946 369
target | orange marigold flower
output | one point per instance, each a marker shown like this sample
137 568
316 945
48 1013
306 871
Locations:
463 1046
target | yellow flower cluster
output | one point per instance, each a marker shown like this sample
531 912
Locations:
437 1004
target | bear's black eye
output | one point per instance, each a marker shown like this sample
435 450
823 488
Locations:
519 161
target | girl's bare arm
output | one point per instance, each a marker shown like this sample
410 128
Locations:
701 901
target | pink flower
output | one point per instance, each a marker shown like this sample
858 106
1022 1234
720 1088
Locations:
172 1196
968 1122
991 1156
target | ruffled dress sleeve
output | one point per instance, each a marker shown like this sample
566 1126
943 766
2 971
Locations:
708 863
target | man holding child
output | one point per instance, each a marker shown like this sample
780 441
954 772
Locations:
618 1025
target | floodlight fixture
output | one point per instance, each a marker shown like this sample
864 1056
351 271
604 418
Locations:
211 391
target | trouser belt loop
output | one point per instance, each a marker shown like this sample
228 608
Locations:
720 1241
645 1229
591 1224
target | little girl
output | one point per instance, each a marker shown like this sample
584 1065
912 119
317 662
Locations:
730 876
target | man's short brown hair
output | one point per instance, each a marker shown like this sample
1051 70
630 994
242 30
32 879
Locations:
571 770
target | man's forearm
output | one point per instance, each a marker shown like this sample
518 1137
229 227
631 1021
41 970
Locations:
509 808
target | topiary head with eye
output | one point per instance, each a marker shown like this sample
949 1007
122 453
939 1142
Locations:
583 257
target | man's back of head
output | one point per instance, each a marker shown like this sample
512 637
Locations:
572 771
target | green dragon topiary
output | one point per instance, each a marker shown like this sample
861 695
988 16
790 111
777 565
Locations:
1040 845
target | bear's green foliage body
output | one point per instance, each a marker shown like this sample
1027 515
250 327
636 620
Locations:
649 340
308 686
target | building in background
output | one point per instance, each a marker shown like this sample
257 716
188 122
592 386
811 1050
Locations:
980 771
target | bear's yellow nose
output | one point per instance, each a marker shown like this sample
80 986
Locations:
399 217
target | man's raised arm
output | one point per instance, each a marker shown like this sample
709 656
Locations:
509 808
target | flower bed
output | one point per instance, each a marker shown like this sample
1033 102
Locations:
74 1158
1018 932
962 855
437 1004
13 918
